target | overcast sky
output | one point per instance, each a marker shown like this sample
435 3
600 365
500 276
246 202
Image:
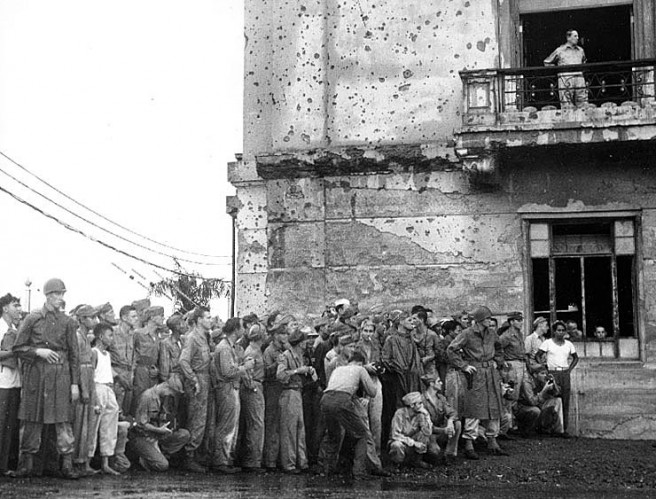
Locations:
132 108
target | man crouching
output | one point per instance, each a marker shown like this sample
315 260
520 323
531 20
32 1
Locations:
410 432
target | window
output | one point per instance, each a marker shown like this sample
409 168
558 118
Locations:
584 271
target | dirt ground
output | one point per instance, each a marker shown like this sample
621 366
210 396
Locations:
536 468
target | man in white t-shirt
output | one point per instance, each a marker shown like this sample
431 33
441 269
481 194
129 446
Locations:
560 357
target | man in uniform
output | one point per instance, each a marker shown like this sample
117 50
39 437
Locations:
10 382
477 352
410 432
146 352
195 367
571 84
47 345
252 402
122 354
106 314
514 355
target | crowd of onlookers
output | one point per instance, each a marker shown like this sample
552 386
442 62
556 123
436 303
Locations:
364 390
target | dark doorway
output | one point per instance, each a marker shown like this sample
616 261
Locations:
605 33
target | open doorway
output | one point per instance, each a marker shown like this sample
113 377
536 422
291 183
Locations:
605 33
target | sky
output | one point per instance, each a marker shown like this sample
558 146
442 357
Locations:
130 108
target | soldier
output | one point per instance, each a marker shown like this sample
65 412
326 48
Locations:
410 432
514 354
106 314
272 393
446 426
151 439
477 352
146 352
291 371
122 353
195 367
84 422
171 347
229 373
10 382
47 345
252 402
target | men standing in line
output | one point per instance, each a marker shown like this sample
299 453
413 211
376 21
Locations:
122 354
477 352
146 352
10 382
47 345
194 363
229 373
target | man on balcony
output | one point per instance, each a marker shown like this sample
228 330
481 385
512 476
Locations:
571 84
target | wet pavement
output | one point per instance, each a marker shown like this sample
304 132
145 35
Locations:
536 468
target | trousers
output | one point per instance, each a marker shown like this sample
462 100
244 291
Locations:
197 404
252 408
105 424
152 452
228 406
292 431
30 441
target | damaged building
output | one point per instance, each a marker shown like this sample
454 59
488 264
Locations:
414 151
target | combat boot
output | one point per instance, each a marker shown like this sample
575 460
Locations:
190 464
26 468
494 449
67 470
470 453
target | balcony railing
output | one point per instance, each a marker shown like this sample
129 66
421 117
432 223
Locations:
510 90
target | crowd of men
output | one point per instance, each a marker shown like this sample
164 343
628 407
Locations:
362 391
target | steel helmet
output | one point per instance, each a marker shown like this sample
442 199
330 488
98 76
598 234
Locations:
481 313
54 285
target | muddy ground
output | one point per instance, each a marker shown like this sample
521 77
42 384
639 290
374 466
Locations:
536 468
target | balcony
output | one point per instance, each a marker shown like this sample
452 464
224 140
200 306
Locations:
521 107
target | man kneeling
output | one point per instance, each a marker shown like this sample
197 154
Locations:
446 428
540 407
410 432
150 439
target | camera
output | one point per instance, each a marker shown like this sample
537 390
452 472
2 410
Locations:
550 378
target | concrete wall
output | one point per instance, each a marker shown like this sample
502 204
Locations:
322 73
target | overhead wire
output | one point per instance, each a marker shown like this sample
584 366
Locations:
96 240
107 230
179 250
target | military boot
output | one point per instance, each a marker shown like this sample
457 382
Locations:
26 468
67 470
190 464
494 449
470 453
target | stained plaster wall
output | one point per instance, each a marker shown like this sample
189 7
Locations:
331 73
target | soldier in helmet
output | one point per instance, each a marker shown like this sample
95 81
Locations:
477 352
47 345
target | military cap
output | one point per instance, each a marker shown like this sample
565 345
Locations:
151 312
296 337
338 328
321 322
281 322
412 398
174 320
141 305
537 321
85 311
515 316
310 332
256 332
104 308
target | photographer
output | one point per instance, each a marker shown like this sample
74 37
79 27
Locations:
539 407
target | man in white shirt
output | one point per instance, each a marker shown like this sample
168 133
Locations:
10 381
557 352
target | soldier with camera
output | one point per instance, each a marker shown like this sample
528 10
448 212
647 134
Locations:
540 408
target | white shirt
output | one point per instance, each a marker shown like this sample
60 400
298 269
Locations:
557 355
103 372
9 377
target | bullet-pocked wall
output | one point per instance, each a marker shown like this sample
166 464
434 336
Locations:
322 73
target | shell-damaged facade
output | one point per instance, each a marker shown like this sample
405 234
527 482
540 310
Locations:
416 151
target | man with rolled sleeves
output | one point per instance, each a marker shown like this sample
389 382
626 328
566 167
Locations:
272 392
477 352
291 373
151 439
252 401
229 370
194 365
47 345
146 352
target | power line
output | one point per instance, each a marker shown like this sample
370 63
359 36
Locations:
105 218
104 229
103 243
